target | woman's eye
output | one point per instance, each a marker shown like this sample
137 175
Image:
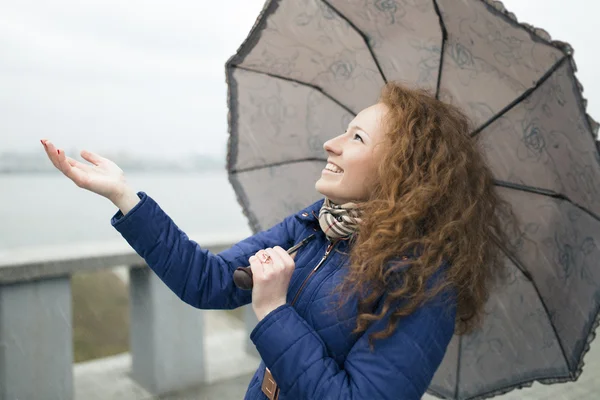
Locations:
356 135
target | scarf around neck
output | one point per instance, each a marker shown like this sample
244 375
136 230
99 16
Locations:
339 221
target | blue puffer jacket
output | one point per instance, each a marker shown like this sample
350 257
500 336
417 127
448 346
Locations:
308 347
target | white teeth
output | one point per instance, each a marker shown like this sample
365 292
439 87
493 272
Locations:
333 168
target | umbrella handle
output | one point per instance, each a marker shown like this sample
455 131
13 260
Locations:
242 276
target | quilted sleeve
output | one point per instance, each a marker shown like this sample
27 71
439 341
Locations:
400 366
197 276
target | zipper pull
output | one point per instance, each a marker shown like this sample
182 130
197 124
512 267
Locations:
330 247
327 251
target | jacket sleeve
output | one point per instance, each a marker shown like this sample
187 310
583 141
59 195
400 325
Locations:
197 276
400 367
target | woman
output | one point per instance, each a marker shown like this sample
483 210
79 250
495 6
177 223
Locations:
403 255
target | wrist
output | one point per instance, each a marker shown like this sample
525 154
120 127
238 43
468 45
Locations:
263 311
125 199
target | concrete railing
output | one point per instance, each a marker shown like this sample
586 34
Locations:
36 335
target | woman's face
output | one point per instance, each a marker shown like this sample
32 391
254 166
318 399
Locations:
353 158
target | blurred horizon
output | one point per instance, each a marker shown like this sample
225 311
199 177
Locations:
29 161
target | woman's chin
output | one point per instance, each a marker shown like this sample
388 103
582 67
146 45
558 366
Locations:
326 190
323 187
319 186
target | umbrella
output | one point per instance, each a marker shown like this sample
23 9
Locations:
308 66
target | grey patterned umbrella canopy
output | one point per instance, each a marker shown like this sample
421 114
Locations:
308 66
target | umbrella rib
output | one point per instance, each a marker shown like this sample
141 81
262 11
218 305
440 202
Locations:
362 35
517 263
277 164
310 85
527 275
443 49
544 192
523 95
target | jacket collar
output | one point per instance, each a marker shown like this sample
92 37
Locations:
311 213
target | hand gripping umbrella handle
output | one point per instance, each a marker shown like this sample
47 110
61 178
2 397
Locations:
242 276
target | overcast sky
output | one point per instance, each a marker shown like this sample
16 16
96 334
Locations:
148 76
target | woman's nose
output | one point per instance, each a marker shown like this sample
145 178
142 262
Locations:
332 146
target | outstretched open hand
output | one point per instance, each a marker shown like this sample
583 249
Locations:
103 176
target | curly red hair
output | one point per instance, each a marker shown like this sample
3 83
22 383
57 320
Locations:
434 192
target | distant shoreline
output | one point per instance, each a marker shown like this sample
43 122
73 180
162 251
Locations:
34 163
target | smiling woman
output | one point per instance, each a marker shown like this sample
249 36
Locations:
399 260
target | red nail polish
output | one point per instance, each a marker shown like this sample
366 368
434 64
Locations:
58 151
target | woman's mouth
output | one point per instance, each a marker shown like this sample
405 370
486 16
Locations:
333 169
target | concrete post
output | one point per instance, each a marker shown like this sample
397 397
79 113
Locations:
166 342
36 340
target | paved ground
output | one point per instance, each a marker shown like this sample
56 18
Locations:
231 389
108 379
228 373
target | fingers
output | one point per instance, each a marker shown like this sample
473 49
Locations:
56 156
92 157
52 153
276 261
74 163
280 261
257 267
65 164
283 256
61 158
75 174
77 171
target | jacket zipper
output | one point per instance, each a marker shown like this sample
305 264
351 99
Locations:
327 251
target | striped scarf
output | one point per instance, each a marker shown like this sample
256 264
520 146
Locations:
339 221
